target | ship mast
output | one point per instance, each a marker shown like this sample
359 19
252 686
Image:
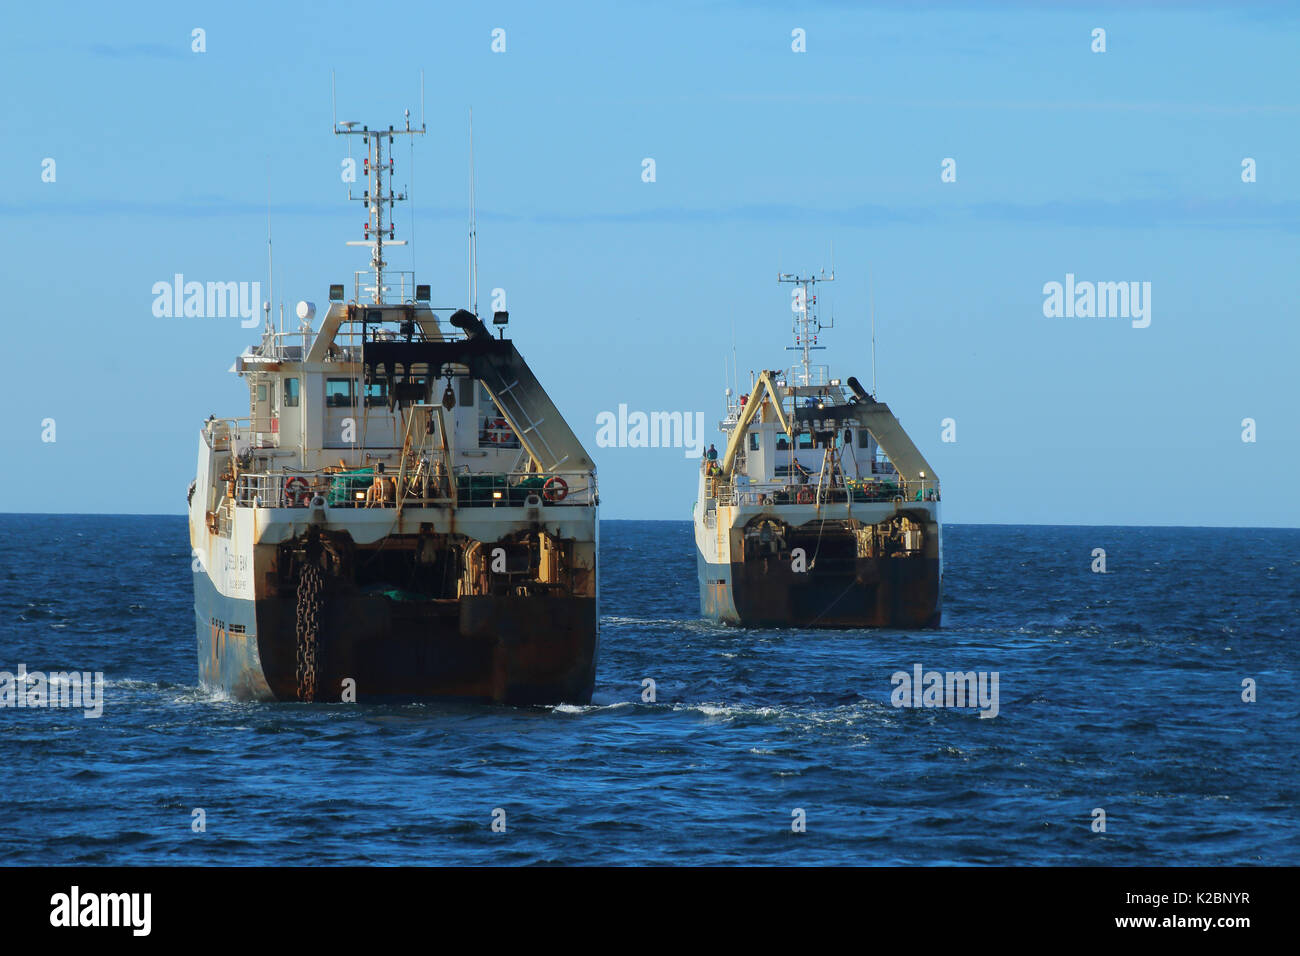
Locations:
806 322
379 198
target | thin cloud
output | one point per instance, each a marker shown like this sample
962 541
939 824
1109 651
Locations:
1180 212
137 51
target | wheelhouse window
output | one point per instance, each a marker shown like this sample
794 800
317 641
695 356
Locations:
753 441
338 392
290 393
376 394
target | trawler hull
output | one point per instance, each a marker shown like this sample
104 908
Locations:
381 605
867 592
485 648
873 564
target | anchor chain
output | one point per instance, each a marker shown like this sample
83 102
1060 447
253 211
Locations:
310 585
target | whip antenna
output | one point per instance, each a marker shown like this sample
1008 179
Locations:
871 291
473 225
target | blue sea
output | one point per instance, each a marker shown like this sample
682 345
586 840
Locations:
1119 691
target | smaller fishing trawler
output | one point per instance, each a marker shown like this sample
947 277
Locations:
821 511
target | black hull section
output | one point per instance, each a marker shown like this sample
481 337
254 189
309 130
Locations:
492 649
506 650
894 592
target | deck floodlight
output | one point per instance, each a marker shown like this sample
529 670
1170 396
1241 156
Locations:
336 293
500 318
421 293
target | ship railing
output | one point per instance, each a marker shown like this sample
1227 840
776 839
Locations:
346 346
261 490
241 434
859 492
222 432
291 346
350 338
519 488
817 375
362 488
399 287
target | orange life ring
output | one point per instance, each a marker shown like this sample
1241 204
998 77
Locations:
805 496
555 489
297 491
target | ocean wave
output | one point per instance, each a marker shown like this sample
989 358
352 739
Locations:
590 708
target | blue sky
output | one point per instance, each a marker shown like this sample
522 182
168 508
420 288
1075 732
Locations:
1115 166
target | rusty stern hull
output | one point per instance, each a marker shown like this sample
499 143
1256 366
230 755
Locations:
497 649
905 593
492 605
855 565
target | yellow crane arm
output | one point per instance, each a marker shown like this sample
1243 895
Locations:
763 386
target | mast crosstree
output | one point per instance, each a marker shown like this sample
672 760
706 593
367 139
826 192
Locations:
379 229
807 323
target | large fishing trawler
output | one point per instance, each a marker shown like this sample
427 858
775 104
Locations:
821 511
404 515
